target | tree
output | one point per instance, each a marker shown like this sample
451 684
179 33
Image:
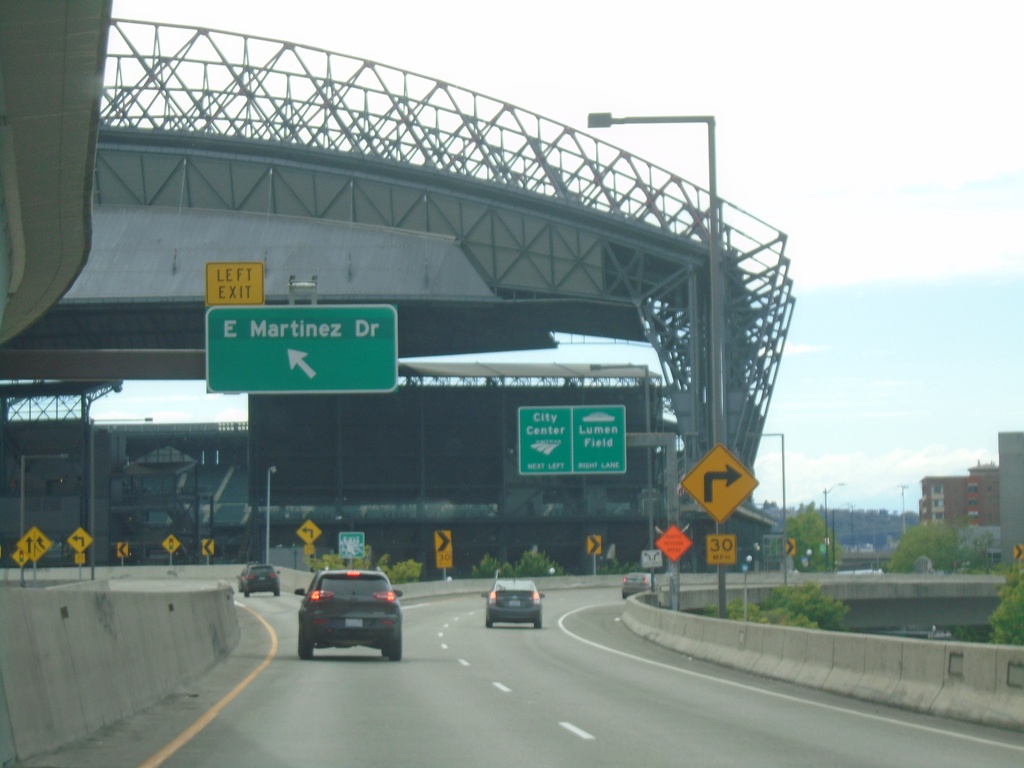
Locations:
536 564
808 529
403 572
790 604
800 606
936 541
1008 619
489 567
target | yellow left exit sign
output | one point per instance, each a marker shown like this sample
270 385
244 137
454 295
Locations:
234 282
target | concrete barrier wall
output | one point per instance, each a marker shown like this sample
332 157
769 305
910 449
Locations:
98 651
965 681
75 660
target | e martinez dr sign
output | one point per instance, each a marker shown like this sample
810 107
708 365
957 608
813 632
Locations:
305 349
578 439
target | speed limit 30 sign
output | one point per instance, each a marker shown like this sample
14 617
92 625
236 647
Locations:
721 549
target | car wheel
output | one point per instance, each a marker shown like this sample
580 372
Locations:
394 650
246 593
277 593
537 624
488 623
305 646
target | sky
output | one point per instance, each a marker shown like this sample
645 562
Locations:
884 138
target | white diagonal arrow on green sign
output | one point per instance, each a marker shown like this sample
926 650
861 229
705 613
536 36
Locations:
311 349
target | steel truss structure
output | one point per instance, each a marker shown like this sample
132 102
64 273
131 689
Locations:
544 212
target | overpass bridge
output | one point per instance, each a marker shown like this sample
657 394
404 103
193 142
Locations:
489 227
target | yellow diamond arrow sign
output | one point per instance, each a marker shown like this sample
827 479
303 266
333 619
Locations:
171 544
80 540
35 544
309 532
719 483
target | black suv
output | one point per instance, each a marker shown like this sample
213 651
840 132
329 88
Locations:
259 578
345 608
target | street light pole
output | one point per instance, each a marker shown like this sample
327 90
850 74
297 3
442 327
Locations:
92 486
785 557
716 282
645 371
21 484
832 538
903 507
270 470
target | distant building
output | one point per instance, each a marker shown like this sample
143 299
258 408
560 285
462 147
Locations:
959 500
989 496
1011 492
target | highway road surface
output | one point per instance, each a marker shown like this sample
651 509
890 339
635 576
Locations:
582 691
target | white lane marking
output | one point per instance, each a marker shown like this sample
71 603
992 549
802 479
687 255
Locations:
577 731
444 646
775 694
463 662
502 688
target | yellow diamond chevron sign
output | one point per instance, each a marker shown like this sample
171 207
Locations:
719 483
443 549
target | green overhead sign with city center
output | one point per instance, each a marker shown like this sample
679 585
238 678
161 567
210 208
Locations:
302 349
557 440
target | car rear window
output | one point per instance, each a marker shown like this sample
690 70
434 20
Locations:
354 586
261 570
515 585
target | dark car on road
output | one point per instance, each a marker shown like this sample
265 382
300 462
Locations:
348 608
513 601
633 583
259 577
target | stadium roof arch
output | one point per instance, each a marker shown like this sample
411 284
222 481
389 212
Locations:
490 228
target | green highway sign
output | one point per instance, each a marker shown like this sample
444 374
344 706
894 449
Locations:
587 439
351 544
302 349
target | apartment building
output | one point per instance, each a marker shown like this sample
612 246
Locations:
958 499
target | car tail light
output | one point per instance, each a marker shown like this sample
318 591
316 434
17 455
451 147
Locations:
625 579
273 575
319 595
388 596
536 597
492 598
